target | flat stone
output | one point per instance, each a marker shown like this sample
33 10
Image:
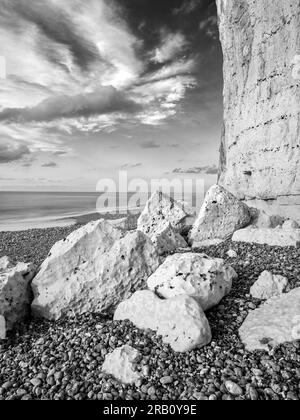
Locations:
275 322
268 285
272 237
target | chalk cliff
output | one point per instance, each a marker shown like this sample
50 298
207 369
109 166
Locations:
260 150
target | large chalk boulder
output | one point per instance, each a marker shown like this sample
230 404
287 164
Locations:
275 322
273 237
268 285
220 216
92 270
15 291
122 364
162 210
166 239
206 279
180 320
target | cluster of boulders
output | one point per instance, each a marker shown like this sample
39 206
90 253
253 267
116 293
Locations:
148 273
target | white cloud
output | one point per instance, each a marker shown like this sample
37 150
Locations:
171 46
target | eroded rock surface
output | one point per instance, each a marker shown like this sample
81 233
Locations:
268 285
260 146
180 320
92 270
275 322
220 216
272 237
206 279
122 363
15 291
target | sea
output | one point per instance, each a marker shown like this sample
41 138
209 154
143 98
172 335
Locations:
31 210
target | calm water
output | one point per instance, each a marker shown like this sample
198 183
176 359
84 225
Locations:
25 210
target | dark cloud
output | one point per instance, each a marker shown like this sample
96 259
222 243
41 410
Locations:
49 165
208 170
131 166
105 100
150 145
54 24
11 153
60 153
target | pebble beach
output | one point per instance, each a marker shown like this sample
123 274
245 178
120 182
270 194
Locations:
61 360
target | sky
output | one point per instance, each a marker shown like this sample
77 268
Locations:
89 88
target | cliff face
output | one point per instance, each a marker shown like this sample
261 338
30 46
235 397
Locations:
260 151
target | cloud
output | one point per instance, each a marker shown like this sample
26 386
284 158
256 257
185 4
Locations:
208 170
11 153
55 25
188 6
105 100
172 45
150 145
210 27
131 166
49 165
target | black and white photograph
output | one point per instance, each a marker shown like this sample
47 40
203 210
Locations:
149 203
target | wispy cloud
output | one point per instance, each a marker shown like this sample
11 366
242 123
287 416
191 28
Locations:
49 165
150 145
172 45
208 170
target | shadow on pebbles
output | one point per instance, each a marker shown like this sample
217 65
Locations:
63 360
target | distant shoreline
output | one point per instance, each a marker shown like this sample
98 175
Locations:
60 222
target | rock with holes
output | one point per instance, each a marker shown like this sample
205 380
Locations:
206 279
273 237
2 328
290 225
220 216
122 364
268 285
180 320
275 322
15 291
167 239
92 270
160 211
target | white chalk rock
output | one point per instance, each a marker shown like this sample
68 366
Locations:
122 363
206 279
275 322
220 216
180 321
232 253
290 225
15 291
272 237
2 328
166 239
160 211
268 285
92 270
